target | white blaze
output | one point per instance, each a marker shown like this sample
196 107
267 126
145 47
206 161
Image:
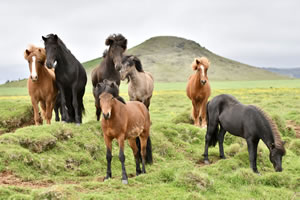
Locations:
33 68
202 68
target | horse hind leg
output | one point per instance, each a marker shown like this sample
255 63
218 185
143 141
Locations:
221 140
135 146
203 114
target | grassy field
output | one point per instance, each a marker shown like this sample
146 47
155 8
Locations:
64 161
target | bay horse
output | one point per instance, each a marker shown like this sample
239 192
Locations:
198 90
41 84
126 121
110 65
246 121
141 84
70 77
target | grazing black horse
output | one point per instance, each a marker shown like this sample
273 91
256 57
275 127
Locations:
111 63
109 87
246 121
70 77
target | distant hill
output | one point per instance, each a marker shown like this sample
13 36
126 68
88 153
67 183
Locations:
169 59
290 72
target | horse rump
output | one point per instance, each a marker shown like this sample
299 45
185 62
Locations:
148 159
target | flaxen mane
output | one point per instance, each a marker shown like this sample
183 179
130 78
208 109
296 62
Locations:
203 60
277 139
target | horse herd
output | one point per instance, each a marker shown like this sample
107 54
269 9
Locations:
57 81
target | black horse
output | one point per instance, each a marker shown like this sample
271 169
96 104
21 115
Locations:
70 77
111 63
109 87
246 121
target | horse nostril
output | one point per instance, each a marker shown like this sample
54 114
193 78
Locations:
203 82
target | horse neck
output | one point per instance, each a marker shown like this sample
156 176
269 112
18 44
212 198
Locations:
117 107
268 138
41 70
110 65
134 77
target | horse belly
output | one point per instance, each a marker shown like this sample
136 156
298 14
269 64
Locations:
232 123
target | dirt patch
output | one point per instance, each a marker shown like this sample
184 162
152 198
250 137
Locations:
293 125
8 178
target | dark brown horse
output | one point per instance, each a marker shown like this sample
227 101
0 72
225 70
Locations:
41 84
226 113
198 90
110 65
126 121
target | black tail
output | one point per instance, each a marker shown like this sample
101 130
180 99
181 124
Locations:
149 159
212 131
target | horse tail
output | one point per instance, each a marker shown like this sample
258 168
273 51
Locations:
148 158
212 131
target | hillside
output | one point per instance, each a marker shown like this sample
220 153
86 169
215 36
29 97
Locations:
290 72
169 59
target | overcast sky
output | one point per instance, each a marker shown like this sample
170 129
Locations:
263 33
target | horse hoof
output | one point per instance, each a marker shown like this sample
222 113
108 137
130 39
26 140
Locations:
206 162
125 182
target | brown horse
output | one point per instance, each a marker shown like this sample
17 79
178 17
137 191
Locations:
198 90
126 121
41 83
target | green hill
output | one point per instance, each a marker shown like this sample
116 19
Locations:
169 60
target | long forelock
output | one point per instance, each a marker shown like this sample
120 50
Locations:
119 39
275 132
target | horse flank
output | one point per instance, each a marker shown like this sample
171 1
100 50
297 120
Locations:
275 132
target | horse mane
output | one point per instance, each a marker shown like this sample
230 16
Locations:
59 42
40 56
203 60
134 60
118 39
279 144
104 53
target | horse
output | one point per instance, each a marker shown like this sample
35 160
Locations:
70 77
246 121
110 65
109 87
198 90
126 121
141 85
41 84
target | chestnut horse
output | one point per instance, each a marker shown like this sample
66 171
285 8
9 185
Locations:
41 84
141 85
126 121
110 64
198 90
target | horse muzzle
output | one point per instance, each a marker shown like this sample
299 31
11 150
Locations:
34 78
51 65
106 116
278 169
203 82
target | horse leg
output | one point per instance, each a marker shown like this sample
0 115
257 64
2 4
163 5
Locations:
196 109
98 113
143 141
221 140
108 156
122 159
75 105
64 110
49 108
56 113
132 143
252 150
35 111
203 114
211 135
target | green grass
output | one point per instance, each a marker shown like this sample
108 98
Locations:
70 160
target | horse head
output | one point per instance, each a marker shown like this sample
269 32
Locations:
130 63
117 46
36 57
107 101
201 65
276 154
51 45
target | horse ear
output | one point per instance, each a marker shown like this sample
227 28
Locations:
125 44
27 52
55 37
197 61
44 38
